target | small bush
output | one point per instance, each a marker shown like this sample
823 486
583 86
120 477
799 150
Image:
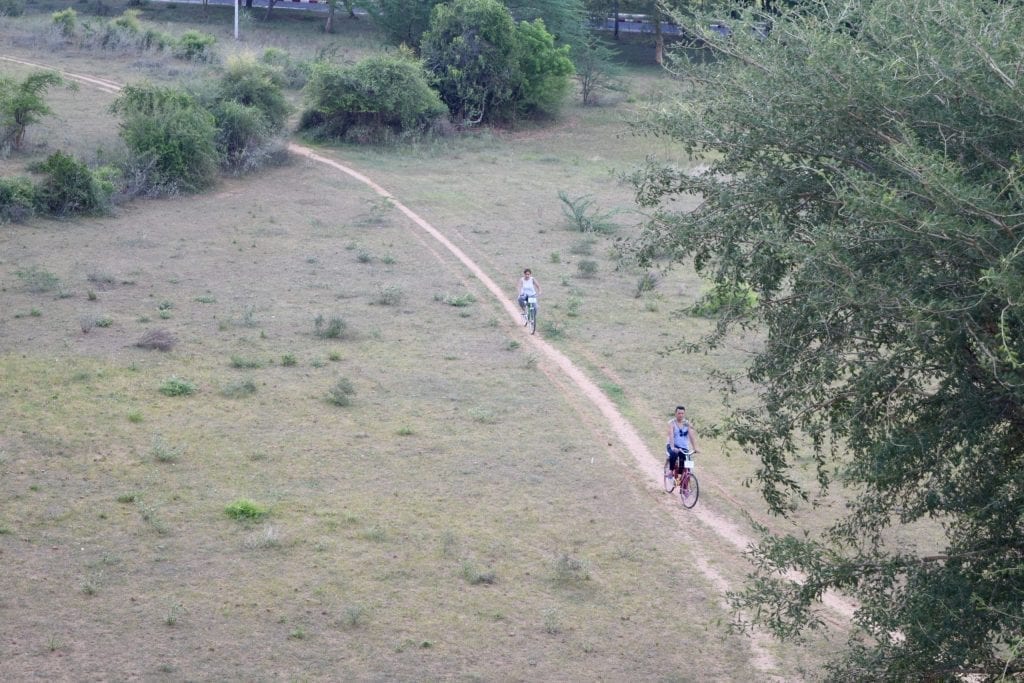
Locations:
648 282
170 137
335 328
288 360
164 452
240 389
195 46
457 300
569 569
390 295
245 509
475 576
586 268
17 199
65 21
725 299
247 363
175 386
159 339
342 392
129 21
69 187
584 216
254 84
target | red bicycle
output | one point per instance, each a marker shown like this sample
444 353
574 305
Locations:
684 480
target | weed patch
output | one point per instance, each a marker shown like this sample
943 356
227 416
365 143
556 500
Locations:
246 510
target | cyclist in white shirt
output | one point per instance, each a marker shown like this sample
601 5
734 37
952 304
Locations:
682 438
528 286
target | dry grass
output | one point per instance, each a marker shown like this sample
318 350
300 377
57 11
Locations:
463 516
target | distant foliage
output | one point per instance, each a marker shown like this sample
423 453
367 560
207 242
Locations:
404 21
377 99
584 216
596 69
12 8
255 84
726 299
170 136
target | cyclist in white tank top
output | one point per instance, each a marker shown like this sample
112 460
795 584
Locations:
681 437
527 287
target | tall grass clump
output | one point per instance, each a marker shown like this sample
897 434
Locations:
12 8
175 386
38 280
65 21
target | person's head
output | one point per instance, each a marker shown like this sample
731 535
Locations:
527 273
680 412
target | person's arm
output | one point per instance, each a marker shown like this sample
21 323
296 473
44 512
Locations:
536 286
519 287
693 439
671 443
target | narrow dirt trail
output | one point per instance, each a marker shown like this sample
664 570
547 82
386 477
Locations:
649 464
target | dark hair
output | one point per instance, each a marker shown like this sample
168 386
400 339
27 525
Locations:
527 270
680 408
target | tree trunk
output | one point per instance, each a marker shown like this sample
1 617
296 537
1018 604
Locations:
329 24
659 39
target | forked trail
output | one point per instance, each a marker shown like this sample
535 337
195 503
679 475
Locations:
649 464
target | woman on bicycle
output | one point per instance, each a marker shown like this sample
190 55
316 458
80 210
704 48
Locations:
527 287
682 438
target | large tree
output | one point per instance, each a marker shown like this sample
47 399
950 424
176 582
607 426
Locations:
861 170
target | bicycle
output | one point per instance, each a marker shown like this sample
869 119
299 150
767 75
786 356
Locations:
685 480
531 313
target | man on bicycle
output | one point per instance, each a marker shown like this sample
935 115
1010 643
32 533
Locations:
527 287
682 439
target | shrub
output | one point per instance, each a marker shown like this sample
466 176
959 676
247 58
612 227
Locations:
587 268
584 216
129 21
335 328
38 280
375 100
170 137
175 386
17 199
245 509
726 300
69 187
342 392
65 21
646 283
257 85
244 139
159 339
389 295
239 389
194 46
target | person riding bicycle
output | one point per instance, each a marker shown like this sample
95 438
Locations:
682 439
528 286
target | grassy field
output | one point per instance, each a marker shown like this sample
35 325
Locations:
404 491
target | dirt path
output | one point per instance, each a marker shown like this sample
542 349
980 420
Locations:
649 464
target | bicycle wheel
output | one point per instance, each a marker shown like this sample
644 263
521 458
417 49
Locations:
532 319
669 480
689 491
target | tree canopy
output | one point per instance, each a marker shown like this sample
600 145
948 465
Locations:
860 169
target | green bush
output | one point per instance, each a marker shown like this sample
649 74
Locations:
175 386
69 187
342 392
378 97
22 104
17 199
257 85
172 140
65 21
294 73
129 21
195 46
244 138
245 509
726 299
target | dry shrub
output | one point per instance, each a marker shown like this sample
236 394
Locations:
159 339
